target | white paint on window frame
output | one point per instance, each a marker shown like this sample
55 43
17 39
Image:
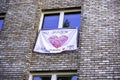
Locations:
2 15
53 74
61 17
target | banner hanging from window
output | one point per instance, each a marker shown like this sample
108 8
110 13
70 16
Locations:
56 40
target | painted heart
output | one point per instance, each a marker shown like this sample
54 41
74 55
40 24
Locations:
58 41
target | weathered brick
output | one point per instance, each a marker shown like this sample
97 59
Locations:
98 54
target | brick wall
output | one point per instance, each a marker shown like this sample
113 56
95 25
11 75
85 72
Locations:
49 62
98 55
100 40
15 40
4 6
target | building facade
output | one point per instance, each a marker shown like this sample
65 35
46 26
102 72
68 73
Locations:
98 53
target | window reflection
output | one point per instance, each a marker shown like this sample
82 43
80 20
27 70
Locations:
50 21
74 77
1 22
36 78
50 77
67 77
41 78
71 20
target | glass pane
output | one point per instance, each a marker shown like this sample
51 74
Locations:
67 77
50 21
1 23
74 77
41 77
71 20
37 78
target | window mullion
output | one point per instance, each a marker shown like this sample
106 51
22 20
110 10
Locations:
41 21
60 25
30 77
54 77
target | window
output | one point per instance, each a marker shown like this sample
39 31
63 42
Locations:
71 20
57 40
62 19
53 76
50 21
1 21
42 77
66 77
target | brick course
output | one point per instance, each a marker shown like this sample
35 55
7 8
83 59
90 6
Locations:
15 40
4 6
100 48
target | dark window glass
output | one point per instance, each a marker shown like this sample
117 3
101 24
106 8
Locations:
1 22
41 77
71 20
67 77
50 21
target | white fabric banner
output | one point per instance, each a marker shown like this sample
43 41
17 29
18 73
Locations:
56 40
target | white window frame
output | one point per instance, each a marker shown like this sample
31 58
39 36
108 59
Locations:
60 23
53 74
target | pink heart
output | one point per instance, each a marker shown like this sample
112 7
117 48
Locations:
58 41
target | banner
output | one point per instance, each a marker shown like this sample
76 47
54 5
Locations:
56 40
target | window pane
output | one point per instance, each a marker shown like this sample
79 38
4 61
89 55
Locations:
71 20
74 77
1 23
36 78
67 77
50 21
41 77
